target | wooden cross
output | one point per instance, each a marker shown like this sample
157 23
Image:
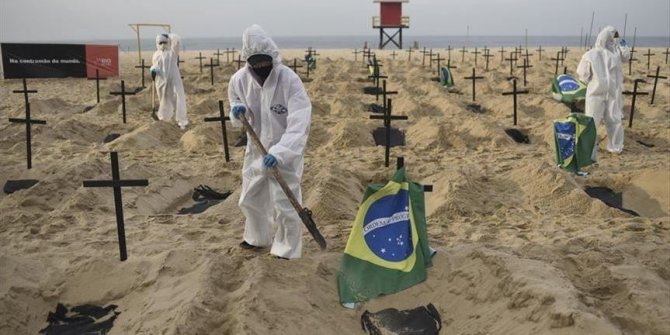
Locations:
25 91
515 92
474 79
564 52
631 60
423 61
463 52
200 57
539 52
439 62
211 67
666 53
116 183
409 54
393 54
217 54
635 93
648 54
97 83
656 77
367 53
476 53
557 59
142 66
487 55
123 94
449 51
239 61
386 93
179 61
511 62
430 58
525 66
295 65
28 121
527 55
400 163
356 52
388 117
228 52
222 118
502 54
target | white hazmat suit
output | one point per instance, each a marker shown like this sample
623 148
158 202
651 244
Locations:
279 111
168 79
601 68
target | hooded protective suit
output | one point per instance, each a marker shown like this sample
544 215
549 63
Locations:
279 111
602 69
168 79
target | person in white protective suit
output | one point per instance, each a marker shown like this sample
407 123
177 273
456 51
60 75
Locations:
274 101
165 72
601 68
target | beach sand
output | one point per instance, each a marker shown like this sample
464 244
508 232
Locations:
522 249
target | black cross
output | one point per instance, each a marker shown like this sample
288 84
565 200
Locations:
474 79
388 117
515 93
28 121
200 57
409 54
525 66
239 61
386 93
179 61
539 52
511 60
228 52
117 183
311 52
439 62
217 54
222 118
666 53
635 93
449 51
400 163
527 55
463 52
97 83
367 53
376 76
430 58
356 52
502 54
123 94
423 61
211 67
25 91
631 60
307 66
487 55
295 65
393 54
142 66
557 59
648 54
564 51
476 53
656 77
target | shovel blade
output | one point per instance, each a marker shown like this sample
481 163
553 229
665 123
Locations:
306 217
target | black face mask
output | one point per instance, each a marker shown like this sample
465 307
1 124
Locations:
261 65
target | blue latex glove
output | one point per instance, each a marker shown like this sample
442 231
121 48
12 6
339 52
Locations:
237 110
153 74
269 161
622 42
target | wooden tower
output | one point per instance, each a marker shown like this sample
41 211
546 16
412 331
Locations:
390 18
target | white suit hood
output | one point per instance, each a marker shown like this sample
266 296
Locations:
255 41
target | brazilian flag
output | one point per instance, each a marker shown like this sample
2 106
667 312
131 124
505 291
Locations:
446 79
567 89
388 247
574 137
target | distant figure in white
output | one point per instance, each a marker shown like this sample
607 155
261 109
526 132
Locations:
601 68
165 72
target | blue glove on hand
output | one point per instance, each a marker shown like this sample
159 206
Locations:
269 161
622 42
237 110
153 74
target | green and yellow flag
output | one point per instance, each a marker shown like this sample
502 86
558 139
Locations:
388 247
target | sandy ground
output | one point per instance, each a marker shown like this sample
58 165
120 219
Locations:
522 249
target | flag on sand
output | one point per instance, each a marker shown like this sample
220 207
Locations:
574 138
567 89
387 250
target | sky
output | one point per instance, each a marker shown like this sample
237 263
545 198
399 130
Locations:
65 20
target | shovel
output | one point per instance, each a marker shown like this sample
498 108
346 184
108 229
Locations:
153 100
304 213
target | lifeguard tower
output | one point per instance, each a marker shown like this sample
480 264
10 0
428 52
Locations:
390 17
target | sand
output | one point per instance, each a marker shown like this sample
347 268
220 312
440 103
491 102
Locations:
522 249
